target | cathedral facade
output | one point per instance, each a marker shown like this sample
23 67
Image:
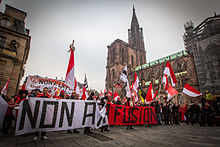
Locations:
197 66
121 53
14 47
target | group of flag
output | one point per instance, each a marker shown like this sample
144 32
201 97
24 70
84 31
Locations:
131 91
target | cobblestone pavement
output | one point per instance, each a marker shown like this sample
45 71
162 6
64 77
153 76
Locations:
169 135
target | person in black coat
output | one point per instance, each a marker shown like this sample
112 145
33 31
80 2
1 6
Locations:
166 113
104 100
175 109
209 115
195 113
158 113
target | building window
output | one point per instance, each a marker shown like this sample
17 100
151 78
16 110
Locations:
141 61
113 76
2 41
132 60
5 22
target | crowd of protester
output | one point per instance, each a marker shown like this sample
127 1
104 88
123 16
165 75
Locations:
168 113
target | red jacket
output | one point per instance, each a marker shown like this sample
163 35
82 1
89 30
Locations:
10 108
19 99
42 95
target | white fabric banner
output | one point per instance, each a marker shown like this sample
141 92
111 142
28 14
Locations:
47 114
3 109
52 84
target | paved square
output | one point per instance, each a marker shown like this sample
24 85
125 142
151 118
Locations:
164 135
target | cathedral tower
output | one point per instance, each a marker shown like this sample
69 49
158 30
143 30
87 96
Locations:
121 53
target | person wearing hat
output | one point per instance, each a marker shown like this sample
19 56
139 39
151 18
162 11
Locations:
35 93
22 94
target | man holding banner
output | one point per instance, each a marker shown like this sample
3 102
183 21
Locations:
43 134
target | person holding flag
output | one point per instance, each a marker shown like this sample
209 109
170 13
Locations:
104 101
124 78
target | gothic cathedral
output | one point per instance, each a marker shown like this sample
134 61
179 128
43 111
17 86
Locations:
121 53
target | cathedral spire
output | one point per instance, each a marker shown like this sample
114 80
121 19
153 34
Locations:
133 9
136 40
134 21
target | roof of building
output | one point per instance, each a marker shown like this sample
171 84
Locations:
162 60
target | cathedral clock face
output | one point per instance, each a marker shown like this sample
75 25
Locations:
5 22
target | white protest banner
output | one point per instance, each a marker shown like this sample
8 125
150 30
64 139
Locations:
52 84
3 109
47 114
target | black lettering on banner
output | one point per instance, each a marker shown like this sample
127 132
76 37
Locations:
90 114
68 115
124 118
132 113
26 109
106 114
116 112
140 115
41 81
152 115
146 115
43 114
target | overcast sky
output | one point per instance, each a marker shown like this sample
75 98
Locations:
94 24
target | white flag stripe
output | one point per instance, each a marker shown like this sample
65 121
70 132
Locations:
69 81
190 93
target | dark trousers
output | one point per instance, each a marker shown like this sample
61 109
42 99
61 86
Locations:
87 129
166 118
42 134
7 122
187 118
176 118
104 128
209 120
195 116
129 126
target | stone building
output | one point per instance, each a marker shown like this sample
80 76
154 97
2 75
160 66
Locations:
183 66
203 42
14 47
121 53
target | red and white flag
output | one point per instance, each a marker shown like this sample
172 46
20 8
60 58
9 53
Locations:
23 86
85 94
171 92
5 88
136 82
76 87
69 81
116 96
110 93
190 91
168 71
150 94
124 100
101 94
